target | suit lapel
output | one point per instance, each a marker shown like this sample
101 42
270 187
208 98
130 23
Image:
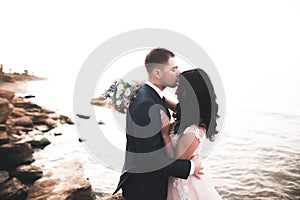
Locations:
157 98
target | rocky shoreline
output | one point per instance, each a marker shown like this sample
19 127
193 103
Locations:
23 125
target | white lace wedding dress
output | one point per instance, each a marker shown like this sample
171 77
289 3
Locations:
191 188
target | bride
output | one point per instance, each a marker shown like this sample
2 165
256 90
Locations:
195 118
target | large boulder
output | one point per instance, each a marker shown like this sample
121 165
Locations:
13 189
27 173
67 182
12 155
5 109
23 121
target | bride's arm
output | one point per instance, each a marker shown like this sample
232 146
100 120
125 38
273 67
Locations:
171 99
165 134
188 143
171 103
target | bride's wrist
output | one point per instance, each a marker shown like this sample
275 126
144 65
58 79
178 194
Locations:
166 138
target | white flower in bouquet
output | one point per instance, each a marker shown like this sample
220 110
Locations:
127 92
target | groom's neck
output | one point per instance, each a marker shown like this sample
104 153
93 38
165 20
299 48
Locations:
158 85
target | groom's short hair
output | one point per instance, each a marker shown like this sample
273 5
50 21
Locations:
157 57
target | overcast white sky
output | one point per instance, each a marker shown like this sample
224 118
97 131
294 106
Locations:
255 44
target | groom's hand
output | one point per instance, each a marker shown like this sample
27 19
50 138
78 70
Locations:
198 168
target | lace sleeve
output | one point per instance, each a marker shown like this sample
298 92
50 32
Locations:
195 131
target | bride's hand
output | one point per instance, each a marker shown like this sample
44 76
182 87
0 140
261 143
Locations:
165 121
198 171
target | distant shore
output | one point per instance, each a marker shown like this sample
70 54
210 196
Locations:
12 77
14 81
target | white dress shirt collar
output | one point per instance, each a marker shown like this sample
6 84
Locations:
159 92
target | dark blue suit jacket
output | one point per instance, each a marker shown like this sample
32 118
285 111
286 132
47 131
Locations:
147 166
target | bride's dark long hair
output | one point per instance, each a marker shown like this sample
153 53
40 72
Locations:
197 102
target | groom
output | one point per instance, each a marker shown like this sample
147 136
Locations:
147 167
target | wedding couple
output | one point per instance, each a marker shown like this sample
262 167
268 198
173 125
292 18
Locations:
162 160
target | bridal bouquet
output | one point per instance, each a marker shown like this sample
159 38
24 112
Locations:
121 94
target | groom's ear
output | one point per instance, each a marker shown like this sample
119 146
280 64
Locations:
156 73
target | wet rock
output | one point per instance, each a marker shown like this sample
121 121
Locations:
13 189
27 173
23 121
67 182
83 116
33 110
101 122
81 139
26 105
18 112
70 121
57 134
19 130
54 116
47 111
5 109
37 117
12 155
62 118
39 142
65 119
46 121
100 101
49 122
29 96
4 176
42 128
